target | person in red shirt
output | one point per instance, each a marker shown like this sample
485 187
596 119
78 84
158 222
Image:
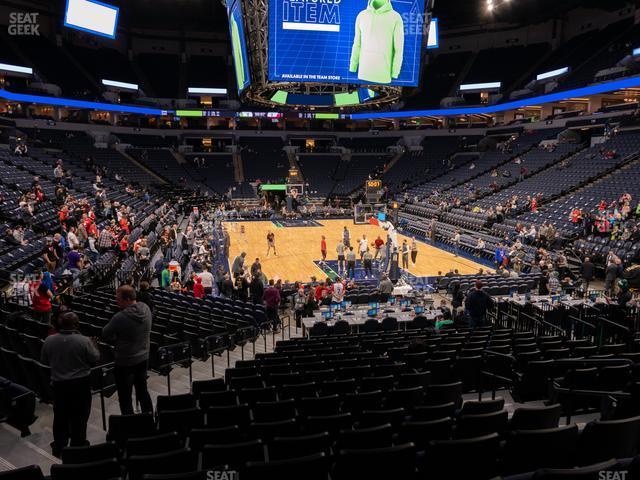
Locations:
124 225
62 214
534 205
319 292
378 245
602 206
198 289
41 303
124 246
323 248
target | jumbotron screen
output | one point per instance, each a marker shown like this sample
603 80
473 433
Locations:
346 41
238 45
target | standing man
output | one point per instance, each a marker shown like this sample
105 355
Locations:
337 294
414 251
456 242
237 267
477 304
378 243
587 273
610 275
130 330
70 356
271 299
323 249
405 255
256 266
367 262
207 280
271 243
340 252
346 237
363 247
351 263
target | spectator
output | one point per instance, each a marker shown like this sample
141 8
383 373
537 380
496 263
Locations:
299 301
41 303
130 330
198 288
256 288
144 296
70 355
477 303
207 281
238 264
457 299
610 276
587 273
165 278
271 298
386 285
227 286
337 294
554 285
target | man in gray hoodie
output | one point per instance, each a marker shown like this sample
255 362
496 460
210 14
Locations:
129 330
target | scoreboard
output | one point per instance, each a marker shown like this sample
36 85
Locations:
373 190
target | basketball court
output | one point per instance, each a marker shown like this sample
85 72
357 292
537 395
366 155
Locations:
298 249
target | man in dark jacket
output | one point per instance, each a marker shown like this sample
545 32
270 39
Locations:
130 330
70 356
257 288
144 296
477 304
610 276
587 273
271 298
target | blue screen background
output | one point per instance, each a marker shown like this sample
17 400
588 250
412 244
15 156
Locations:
313 53
234 10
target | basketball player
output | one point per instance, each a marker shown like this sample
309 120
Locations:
363 247
340 252
323 248
271 243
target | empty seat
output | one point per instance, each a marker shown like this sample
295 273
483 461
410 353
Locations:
177 461
371 437
469 426
32 472
389 462
153 445
472 407
475 458
601 440
299 446
233 455
102 470
534 418
553 447
312 467
123 427
90 453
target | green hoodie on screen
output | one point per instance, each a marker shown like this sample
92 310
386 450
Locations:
236 48
378 44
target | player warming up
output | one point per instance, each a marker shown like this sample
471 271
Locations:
271 243
323 248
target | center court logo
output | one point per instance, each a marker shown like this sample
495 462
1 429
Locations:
23 24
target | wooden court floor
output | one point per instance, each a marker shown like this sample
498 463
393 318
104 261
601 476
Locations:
299 247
